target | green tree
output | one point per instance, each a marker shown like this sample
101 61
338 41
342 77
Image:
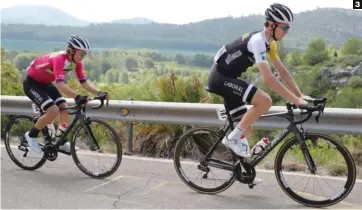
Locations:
106 65
149 63
94 75
295 58
331 50
124 79
131 63
10 80
180 59
316 52
355 82
110 77
22 61
349 98
352 46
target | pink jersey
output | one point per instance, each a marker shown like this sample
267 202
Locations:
51 67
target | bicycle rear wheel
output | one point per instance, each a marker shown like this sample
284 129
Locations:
16 144
192 147
102 141
335 168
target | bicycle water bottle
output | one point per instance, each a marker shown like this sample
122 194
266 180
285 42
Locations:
60 131
51 130
260 146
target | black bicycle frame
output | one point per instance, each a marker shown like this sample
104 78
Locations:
289 115
80 115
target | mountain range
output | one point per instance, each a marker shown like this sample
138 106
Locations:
334 25
50 16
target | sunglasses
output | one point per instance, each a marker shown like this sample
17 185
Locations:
285 28
82 53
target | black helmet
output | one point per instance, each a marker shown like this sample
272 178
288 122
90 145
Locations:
279 13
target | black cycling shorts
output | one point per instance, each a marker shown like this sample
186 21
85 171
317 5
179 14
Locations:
43 95
236 93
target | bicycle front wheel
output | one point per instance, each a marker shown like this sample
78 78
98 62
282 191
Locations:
333 179
98 143
197 173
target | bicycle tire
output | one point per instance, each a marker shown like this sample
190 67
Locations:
8 149
119 151
351 178
180 173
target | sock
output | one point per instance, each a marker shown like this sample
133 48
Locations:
237 133
34 132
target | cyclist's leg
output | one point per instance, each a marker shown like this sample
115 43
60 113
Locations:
261 102
35 91
236 94
60 101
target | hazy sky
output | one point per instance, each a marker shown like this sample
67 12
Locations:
171 11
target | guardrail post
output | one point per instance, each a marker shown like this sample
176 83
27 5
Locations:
129 127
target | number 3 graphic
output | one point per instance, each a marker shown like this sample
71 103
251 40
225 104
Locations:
358 4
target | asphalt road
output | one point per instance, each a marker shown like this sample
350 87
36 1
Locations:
138 183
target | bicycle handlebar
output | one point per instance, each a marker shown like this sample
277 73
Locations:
318 105
77 107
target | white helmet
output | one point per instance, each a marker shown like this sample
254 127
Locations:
279 13
76 42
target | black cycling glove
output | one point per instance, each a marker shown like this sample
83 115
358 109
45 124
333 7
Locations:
102 94
80 100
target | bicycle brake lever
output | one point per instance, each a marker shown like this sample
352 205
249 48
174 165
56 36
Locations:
317 117
97 107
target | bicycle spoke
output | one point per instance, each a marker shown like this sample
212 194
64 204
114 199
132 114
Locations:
108 154
325 152
193 146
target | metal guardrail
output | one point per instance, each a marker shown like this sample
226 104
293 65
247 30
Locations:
333 120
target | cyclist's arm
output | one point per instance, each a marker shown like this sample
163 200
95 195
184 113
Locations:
90 88
287 78
273 83
59 78
259 50
83 80
284 74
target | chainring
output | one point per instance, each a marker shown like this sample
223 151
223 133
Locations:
247 176
50 151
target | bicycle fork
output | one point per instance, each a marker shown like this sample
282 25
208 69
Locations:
305 151
92 142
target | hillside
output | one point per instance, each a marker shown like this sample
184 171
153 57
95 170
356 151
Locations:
135 21
50 16
39 14
333 25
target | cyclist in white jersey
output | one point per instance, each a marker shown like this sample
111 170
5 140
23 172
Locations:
234 58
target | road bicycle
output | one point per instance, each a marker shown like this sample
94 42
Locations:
242 169
16 129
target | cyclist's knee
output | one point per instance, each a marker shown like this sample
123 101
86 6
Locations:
268 101
52 111
261 98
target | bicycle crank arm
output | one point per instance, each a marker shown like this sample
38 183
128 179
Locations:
64 152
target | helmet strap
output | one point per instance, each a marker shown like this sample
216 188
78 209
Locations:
72 54
73 57
273 32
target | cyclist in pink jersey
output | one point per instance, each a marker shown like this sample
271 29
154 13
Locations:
38 86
